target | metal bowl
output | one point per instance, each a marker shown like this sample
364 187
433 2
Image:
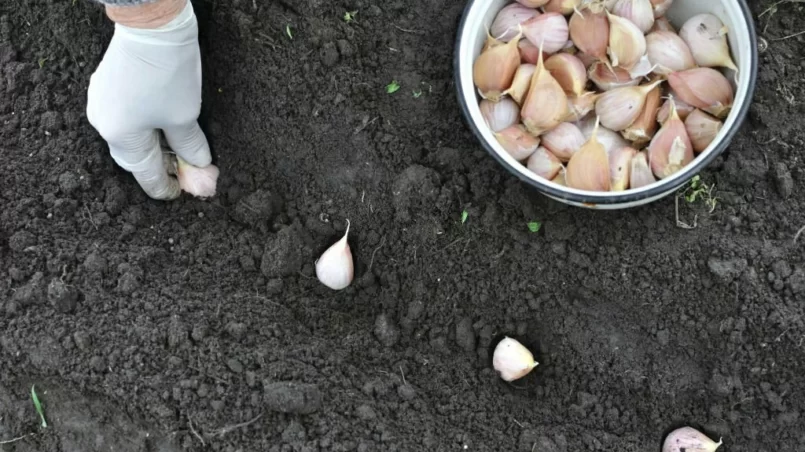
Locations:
478 17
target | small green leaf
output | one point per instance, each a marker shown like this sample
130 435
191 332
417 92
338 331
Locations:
42 62
349 16
38 407
288 31
393 87
417 94
464 216
534 226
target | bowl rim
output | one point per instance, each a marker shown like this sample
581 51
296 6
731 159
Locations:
613 198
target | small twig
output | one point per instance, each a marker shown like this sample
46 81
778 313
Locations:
90 217
224 430
799 233
416 32
365 125
14 440
383 242
403 375
789 36
193 430
516 422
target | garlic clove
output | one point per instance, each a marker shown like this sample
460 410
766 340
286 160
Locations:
663 24
529 53
334 268
687 439
549 30
609 139
560 178
607 79
639 12
668 52
564 141
627 44
640 174
588 168
521 83
705 34
517 142
506 24
199 182
500 115
564 7
493 71
670 150
589 31
643 128
620 107
532 3
512 360
579 106
702 129
620 168
704 88
545 106
544 164
682 109
661 7
642 68
587 60
569 72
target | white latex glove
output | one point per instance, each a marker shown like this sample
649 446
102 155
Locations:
150 79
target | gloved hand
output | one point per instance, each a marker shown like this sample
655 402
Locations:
150 79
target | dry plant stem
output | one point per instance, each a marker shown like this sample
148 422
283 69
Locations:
229 428
193 430
796 237
14 440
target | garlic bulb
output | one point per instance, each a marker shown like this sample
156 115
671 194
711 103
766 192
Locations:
620 168
512 360
607 79
564 7
641 174
500 115
705 34
627 44
588 168
517 142
661 7
682 109
589 31
704 88
670 150
549 30
639 12
506 24
545 106
200 182
521 83
702 129
668 52
494 69
564 140
620 107
643 128
687 439
544 164
334 268
569 72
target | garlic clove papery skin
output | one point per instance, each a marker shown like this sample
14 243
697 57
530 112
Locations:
639 12
517 142
579 106
589 31
620 107
564 141
702 129
588 169
663 24
549 30
668 52
506 24
643 128
682 109
661 7
335 268
620 168
640 174
493 71
564 7
500 115
607 79
569 72
512 360
627 44
670 150
199 182
687 439
705 34
532 3
704 88
560 178
544 164
521 83
609 139
545 106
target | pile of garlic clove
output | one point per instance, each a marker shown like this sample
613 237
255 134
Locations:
603 95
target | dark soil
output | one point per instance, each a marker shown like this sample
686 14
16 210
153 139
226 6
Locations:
197 325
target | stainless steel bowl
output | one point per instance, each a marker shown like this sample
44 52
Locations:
735 14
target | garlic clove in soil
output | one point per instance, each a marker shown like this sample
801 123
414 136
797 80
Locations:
506 24
563 7
702 129
589 30
564 141
688 439
549 30
627 44
704 88
639 12
544 164
335 268
682 109
641 174
620 168
545 106
512 360
607 79
569 72
588 169
670 150
706 36
668 52
500 115
521 83
661 7
200 182
643 128
620 107
517 142
494 69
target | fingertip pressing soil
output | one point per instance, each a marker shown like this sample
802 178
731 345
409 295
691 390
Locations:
200 325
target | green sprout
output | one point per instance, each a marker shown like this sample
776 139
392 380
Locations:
393 87
349 16
464 215
288 31
700 190
38 407
42 62
534 226
417 94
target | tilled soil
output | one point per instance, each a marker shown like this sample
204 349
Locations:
193 325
